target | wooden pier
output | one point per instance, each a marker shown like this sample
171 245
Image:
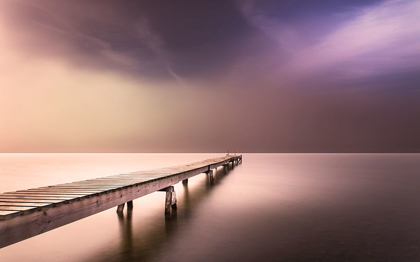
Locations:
27 213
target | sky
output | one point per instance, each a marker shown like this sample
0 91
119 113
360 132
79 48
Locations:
209 76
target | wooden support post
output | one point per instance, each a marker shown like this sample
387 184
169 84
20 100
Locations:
185 182
130 205
170 201
120 208
212 177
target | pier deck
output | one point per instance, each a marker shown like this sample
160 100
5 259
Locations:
27 213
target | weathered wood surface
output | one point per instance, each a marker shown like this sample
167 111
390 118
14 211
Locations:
27 213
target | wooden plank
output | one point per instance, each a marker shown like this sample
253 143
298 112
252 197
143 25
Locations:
150 173
5 214
147 174
60 193
32 193
58 189
111 183
105 182
66 191
93 188
23 204
7 195
15 208
46 196
110 180
82 187
108 185
2 197
11 200
127 177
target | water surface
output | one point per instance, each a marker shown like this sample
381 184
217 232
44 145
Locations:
273 207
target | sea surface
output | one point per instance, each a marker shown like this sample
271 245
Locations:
272 207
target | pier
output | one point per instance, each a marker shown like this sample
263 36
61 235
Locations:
27 213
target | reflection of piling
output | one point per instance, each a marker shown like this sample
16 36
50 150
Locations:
126 232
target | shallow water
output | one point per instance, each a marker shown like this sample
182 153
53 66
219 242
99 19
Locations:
273 207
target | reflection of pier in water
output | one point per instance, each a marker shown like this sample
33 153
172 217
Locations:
144 245
27 213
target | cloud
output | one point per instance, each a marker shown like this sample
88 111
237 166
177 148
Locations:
155 42
283 33
367 42
47 105
380 40
88 35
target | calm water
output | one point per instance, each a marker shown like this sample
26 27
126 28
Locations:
273 207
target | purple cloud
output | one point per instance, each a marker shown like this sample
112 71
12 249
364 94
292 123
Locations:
370 41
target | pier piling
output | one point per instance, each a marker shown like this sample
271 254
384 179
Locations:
212 177
130 205
170 201
120 208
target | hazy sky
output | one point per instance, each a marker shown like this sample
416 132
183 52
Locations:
209 76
